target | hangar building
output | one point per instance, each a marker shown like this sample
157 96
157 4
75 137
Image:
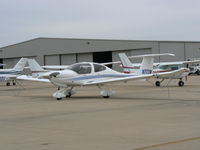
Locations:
64 51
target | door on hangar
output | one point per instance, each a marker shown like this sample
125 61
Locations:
51 60
1 62
102 57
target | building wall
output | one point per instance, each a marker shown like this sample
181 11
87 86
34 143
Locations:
56 51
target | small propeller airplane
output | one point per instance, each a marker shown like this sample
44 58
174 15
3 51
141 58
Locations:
163 70
88 74
10 75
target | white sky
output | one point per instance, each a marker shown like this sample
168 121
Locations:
23 20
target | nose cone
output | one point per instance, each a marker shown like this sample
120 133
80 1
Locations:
59 74
66 74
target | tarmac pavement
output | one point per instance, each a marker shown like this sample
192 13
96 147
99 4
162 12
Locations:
139 116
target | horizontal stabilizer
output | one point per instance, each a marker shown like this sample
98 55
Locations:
152 55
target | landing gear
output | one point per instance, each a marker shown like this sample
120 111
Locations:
63 92
69 95
157 83
181 83
106 96
106 93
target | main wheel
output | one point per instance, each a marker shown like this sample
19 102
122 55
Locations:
68 96
181 83
106 96
198 72
14 83
157 83
8 83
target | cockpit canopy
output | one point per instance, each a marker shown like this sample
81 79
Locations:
86 68
168 67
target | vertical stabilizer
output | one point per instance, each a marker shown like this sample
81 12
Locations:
147 65
35 68
126 63
20 65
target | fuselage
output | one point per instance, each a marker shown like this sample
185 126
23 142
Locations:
83 73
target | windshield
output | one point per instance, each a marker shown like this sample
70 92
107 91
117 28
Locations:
81 68
168 67
98 68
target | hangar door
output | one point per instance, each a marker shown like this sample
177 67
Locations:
10 62
1 61
102 57
84 57
68 59
51 60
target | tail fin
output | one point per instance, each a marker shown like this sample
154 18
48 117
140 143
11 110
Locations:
35 68
147 62
21 64
126 63
146 66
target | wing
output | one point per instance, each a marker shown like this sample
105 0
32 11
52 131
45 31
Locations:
110 63
122 79
56 67
8 77
30 78
173 74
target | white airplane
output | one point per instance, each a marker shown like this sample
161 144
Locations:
89 73
10 75
163 70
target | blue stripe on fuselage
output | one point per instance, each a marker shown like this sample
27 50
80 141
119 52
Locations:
100 76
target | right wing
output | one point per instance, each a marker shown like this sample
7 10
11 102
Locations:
56 67
172 74
30 78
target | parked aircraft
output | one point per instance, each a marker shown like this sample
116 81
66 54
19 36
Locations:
163 70
89 73
9 75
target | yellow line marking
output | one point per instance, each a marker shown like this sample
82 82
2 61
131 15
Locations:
168 143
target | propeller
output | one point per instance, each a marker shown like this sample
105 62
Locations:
50 75
54 74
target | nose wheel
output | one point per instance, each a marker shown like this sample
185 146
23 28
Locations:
63 92
181 83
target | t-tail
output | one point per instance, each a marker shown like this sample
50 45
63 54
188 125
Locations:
35 68
20 65
146 66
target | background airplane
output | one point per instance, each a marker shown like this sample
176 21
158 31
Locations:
9 75
162 70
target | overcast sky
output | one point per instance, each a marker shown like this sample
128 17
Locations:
23 20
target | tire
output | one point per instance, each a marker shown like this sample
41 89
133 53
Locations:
68 96
106 96
14 83
59 99
181 83
157 83
198 72
8 83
